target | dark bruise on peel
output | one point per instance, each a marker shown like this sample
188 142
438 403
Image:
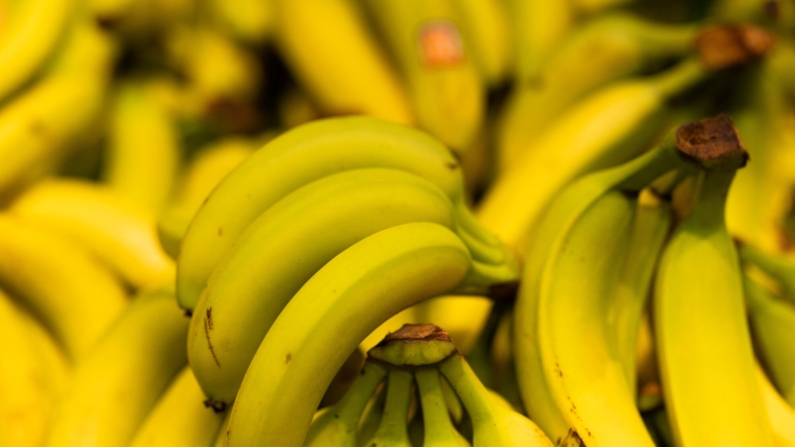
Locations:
220 231
287 358
208 326
712 143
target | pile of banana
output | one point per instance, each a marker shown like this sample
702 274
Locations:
245 223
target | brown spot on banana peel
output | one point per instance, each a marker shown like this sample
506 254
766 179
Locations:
712 143
417 332
208 326
731 45
287 358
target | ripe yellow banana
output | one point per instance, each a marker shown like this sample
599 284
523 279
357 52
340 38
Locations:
298 157
143 153
494 423
114 388
179 419
779 412
444 84
30 383
614 46
328 47
30 36
251 21
76 296
703 342
487 26
251 284
564 217
117 231
337 425
393 428
328 318
439 428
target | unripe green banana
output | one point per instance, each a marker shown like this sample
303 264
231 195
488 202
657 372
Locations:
251 284
439 429
114 388
329 48
179 419
393 430
337 425
328 318
703 343
444 84
296 158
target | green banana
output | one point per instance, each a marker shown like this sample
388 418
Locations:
442 78
371 417
615 45
328 318
313 224
772 323
494 423
179 418
116 231
296 158
330 49
703 343
75 296
393 428
338 425
565 216
439 428
30 36
114 388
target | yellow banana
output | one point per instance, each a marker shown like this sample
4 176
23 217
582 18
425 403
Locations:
114 388
779 412
330 50
444 84
703 343
251 21
328 318
179 419
117 231
487 25
76 296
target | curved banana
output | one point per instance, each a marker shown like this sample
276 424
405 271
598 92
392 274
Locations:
29 382
779 412
331 51
328 318
114 388
29 37
143 153
205 171
76 297
614 46
703 343
179 419
487 27
251 284
494 423
439 428
296 158
772 323
444 84
393 430
563 217
337 426
251 21
117 231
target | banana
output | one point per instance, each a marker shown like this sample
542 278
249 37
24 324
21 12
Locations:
328 318
779 412
30 383
31 35
439 428
220 437
494 423
49 118
179 418
143 153
330 50
703 343
240 303
338 425
564 216
205 170
615 45
393 428
486 23
250 21
444 84
771 323
114 388
296 158
76 297
607 128
779 267
116 231
371 417
588 7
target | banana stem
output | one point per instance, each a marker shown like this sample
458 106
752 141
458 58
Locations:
351 406
683 76
470 390
439 429
394 421
779 267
